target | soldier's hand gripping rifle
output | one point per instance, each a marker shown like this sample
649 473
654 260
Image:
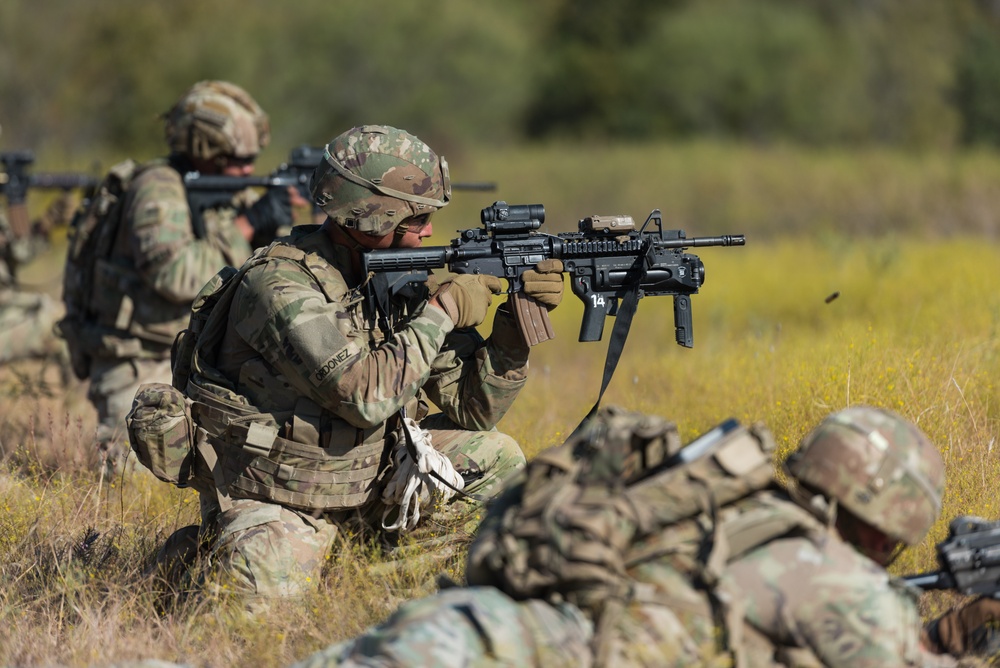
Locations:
968 559
208 190
16 180
205 190
607 260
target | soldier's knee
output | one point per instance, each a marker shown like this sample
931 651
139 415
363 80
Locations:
266 550
494 458
502 454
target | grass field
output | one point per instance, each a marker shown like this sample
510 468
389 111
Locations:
914 328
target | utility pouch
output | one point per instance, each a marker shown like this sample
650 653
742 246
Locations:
162 433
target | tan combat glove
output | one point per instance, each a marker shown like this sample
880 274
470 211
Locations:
466 297
967 630
544 283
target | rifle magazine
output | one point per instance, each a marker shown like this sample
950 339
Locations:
532 319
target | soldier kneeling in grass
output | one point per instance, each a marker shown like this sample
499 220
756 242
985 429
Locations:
307 405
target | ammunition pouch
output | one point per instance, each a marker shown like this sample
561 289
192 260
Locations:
321 464
162 433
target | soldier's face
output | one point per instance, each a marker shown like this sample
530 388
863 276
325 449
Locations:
234 166
868 540
418 228
229 166
238 170
408 240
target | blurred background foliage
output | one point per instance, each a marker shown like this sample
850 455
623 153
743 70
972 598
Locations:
79 77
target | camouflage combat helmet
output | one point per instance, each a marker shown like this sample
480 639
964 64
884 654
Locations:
217 119
374 177
878 466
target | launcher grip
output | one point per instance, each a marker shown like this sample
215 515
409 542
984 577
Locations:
683 326
532 319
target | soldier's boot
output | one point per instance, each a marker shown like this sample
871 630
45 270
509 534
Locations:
173 564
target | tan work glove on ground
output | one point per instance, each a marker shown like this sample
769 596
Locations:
466 297
545 282
967 630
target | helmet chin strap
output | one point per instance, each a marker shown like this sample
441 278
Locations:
898 550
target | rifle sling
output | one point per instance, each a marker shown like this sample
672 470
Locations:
623 321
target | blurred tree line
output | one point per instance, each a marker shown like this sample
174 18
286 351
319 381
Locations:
76 77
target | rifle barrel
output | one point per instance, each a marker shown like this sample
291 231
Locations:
67 181
483 186
929 581
724 240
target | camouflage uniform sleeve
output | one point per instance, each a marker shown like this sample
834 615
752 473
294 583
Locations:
464 628
167 255
475 382
831 600
282 314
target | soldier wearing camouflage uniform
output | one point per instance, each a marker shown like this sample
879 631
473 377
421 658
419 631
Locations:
142 293
300 385
710 563
26 318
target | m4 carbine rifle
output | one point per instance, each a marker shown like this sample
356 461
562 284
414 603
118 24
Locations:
208 190
968 559
607 260
15 181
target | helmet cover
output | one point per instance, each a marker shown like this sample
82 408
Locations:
877 465
217 119
374 177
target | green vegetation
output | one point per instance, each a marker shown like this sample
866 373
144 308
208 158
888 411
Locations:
710 187
79 80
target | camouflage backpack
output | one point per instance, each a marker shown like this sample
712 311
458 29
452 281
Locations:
91 239
569 527
161 429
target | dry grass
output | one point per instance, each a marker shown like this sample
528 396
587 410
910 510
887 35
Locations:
711 188
914 329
